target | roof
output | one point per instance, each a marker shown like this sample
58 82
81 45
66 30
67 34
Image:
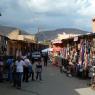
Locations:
4 30
91 35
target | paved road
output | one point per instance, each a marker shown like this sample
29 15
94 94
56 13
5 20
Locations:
53 83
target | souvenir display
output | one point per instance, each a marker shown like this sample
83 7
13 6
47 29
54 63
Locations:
80 53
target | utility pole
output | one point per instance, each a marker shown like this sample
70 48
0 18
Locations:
38 29
0 14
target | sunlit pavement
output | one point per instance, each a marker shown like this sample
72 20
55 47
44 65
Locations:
85 91
53 83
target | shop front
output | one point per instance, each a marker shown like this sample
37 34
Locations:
3 45
80 51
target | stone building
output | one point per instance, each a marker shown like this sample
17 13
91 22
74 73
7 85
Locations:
3 45
18 40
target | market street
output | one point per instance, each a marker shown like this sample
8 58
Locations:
53 83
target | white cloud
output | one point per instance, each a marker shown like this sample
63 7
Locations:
38 5
45 12
88 10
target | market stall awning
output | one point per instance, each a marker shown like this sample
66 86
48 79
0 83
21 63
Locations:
47 50
56 41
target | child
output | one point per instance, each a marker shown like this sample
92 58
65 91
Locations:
39 71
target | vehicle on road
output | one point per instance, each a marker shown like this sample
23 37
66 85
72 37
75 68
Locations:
36 56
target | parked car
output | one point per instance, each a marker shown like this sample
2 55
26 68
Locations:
36 56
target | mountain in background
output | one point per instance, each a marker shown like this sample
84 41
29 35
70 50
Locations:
50 35
5 30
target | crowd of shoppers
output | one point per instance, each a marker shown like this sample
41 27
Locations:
20 69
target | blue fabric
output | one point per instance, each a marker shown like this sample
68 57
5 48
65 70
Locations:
9 63
19 76
19 79
10 75
30 68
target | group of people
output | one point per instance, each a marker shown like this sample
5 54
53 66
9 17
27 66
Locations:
20 69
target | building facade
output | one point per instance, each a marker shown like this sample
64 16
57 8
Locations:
3 45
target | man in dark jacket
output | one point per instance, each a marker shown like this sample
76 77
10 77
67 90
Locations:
45 59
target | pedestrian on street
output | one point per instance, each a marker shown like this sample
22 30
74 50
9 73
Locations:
31 72
14 74
9 65
19 71
26 69
60 61
45 58
38 70
1 69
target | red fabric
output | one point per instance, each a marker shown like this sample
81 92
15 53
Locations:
56 49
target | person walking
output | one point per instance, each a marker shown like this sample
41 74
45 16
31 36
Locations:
45 58
38 71
9 64
19 71
31 72
14 74
26 69
60 61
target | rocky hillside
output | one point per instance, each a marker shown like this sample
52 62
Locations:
50 35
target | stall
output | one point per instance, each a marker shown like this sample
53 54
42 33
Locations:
79 50
57 47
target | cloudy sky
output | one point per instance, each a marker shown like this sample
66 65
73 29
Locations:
30 15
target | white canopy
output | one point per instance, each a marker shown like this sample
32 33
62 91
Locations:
47 50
